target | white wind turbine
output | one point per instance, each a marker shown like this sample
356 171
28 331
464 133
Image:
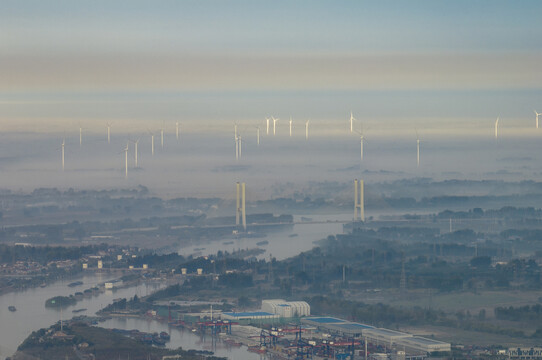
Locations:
417 149
307 130
80 135
537 113
108 133
238 147
177 130
152 141
274 125
126 161
291 126
258 135
497 128
361 142
267 120
63 145
136 142
162 136
352 121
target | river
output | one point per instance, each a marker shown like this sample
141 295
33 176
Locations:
32 315
281 244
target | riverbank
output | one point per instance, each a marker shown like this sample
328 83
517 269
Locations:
78 340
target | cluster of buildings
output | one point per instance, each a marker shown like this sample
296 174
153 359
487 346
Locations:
390 339
274 309
24 268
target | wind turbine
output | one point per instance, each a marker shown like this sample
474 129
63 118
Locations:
258 135
108 133
497 128
63 144
238 147
291 126
135 152
267 120
162 136
126 161
537 113
274 125
351 121
307 130
152 142
417 149
361 142
177 130
80 135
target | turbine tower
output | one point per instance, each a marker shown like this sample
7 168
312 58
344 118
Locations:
537 113
80 135
267 120
497 128
291 126
126 161
177 130
417 150
152 144
162 137
63 144
307 130
352 121
109 133
240 213
238 146
361 145
258 135
274 125
359 201
135 152
361 142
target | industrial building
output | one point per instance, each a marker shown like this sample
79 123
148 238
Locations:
252 315
378 336
286 309
425 345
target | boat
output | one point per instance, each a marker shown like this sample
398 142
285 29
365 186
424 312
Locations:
78 310
75 283
265 242
12 308
292 235
157 340
232 342
147 338
227 242
164 335
257 349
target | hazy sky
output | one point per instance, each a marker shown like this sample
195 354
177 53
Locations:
161 60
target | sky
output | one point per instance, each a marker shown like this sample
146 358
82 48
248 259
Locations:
66 62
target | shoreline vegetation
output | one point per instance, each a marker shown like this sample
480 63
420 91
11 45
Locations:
79 340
